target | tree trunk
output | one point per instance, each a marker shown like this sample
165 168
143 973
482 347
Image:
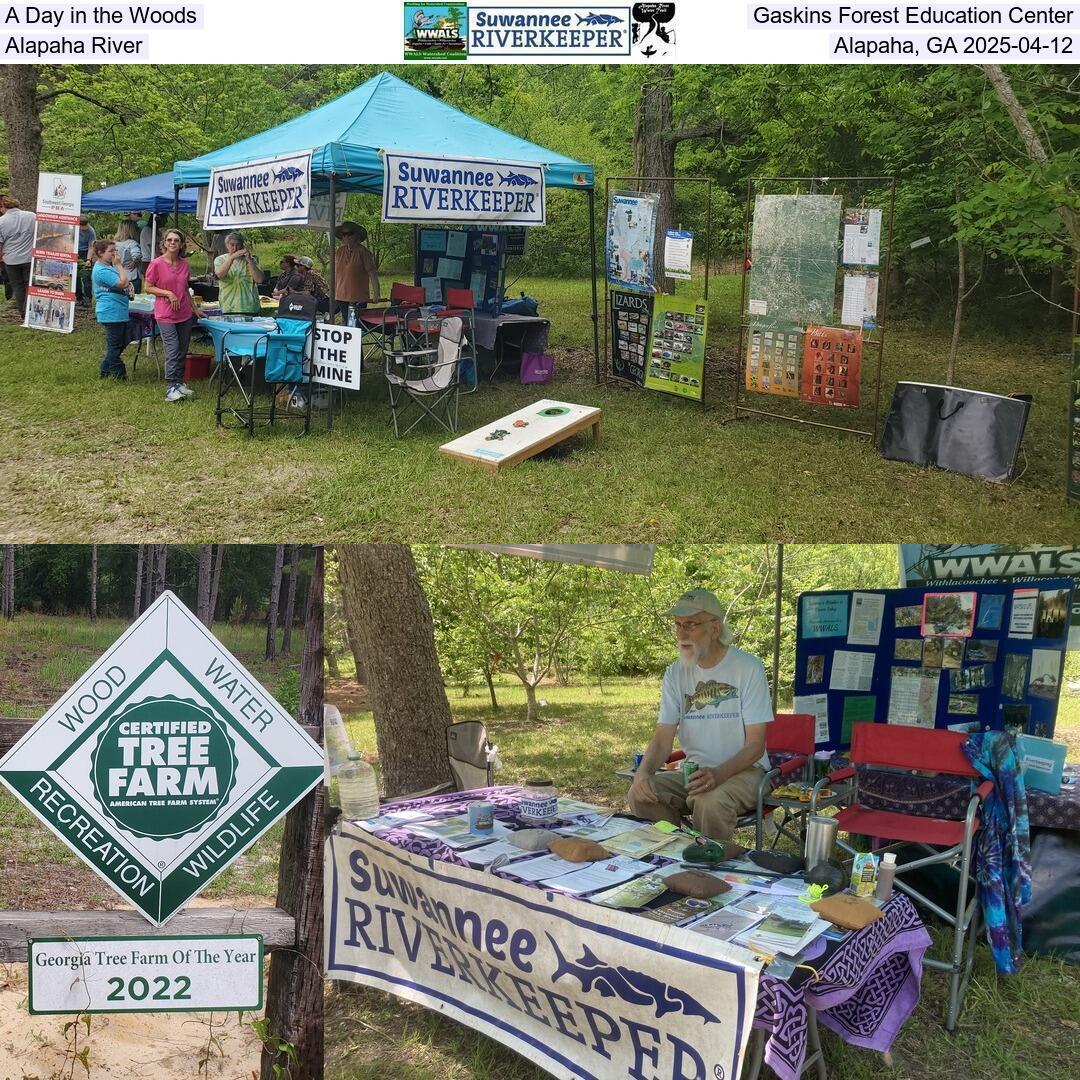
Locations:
389 618
1029 137
532 710
491 686
958 314
275 597
290 598
139 560
93 583
216 583
202 604
294 995
654 155
162 564
9 582
21 114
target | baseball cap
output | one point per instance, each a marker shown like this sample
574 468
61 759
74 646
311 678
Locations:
303 260
690 603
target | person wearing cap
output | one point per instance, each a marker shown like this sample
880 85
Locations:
715 697
356 277
313 282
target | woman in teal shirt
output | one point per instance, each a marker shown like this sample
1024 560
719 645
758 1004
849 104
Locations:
111 287
238 274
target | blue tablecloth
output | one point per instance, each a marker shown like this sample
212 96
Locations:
240 329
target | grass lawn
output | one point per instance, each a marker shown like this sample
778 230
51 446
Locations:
40 657
1023 1026
88 460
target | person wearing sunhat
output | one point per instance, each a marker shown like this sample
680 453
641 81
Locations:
715 697
356 277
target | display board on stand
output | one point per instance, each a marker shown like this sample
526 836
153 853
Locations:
978 656
50 297
812 301
653 339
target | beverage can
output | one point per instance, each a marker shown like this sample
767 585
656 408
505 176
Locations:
638 758
688 770
481 817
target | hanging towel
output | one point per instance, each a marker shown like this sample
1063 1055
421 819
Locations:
1002 845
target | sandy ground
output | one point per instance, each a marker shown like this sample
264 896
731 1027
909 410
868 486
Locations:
165 1046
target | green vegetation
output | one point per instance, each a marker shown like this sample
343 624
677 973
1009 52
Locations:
89 460
1019 1026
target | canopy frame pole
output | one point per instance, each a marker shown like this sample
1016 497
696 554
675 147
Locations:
175 207
778 611
595 312
332 282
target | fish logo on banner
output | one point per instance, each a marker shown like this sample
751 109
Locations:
434 188
273 191
583 991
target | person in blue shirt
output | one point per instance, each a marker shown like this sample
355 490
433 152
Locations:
111 289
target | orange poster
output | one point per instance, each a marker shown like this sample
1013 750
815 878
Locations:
832 359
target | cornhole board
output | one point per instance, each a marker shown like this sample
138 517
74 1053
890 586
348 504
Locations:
523 433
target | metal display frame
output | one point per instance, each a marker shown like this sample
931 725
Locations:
620 181
875 339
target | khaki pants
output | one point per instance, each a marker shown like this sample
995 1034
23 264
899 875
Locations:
715 813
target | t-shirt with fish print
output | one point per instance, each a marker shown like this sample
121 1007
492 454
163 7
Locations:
713 706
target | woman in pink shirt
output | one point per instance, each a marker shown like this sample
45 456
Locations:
167 279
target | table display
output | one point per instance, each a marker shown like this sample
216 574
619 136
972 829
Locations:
863 984
523 333
524 433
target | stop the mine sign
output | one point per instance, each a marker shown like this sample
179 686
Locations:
163 763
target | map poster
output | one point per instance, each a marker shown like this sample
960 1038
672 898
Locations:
773 356
630 315
677 346
1073 487
631 228
832 359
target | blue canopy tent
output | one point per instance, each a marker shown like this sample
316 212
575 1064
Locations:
153 193
348 133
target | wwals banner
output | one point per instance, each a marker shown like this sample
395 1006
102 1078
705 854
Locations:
582 990
430 187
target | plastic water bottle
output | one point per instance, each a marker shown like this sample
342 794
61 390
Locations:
886 874
357 790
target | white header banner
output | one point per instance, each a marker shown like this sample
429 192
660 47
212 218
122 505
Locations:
516 32
273 191
431 187
581 990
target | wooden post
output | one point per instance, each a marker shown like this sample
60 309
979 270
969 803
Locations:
294 996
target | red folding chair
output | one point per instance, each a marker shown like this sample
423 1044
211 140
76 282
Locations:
946 840
789 733
383 325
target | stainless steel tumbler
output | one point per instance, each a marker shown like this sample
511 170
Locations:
820 838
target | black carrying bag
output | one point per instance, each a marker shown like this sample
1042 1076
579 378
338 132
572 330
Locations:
964 431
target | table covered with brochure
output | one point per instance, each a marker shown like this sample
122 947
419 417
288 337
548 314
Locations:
419 905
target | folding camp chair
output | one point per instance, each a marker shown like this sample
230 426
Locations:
460 302
382 325
946 840
257 360
790 735
425 376
472 757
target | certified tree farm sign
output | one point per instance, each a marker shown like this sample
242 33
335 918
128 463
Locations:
163 763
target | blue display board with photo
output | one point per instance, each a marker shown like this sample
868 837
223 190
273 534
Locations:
459 259
986 655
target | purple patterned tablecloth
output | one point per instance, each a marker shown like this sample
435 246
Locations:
947 796
868 984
